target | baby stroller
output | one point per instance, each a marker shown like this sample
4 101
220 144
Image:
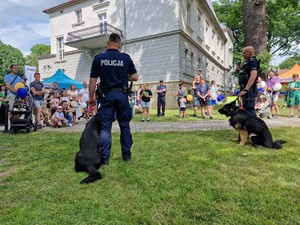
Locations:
21 116
264 105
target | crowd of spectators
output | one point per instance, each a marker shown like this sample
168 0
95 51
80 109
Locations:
54 106
71 104
58 107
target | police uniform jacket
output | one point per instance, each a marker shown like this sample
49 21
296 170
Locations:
113 68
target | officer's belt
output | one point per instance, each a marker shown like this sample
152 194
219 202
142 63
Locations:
251 99
118 89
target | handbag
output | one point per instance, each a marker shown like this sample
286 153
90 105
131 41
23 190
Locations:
13 80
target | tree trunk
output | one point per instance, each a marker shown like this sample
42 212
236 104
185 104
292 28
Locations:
254 24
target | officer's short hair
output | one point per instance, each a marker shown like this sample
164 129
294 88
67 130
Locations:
113 37
12 65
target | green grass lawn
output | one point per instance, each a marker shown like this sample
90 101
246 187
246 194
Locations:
173 178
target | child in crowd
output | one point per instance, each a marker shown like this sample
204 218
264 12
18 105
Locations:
74 104
262 107
182 106
54 102
58 119
214 94
68 112
92 108
65 97
21 104
131 104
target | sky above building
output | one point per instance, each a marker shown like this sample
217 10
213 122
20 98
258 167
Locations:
23 24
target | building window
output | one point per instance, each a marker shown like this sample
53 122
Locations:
102 22
200 23
60 48
192 63
186 60
78 16
199 63
188 14
207 26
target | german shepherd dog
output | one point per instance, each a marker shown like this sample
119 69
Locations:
88 157
249 127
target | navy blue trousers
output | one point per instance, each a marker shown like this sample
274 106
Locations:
161 103
115 103
249 101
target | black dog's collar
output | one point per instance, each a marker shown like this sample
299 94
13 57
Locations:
239 108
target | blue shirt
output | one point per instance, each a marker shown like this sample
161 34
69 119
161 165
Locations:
113 68
161 87
9 78
203 89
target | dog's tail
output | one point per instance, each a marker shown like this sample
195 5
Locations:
91 178
278 144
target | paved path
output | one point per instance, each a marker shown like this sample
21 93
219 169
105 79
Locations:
177 126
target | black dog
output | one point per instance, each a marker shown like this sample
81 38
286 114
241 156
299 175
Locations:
249 127
88 158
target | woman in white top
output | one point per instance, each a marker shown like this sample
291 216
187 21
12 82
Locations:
261 85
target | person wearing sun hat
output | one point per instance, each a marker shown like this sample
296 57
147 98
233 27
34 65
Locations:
58 118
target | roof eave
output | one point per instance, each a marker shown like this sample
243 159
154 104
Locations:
62 6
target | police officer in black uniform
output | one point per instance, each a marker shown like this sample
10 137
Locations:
161 98
114 69
247 79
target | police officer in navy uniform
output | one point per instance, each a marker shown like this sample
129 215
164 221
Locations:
114 69
247 79
161 98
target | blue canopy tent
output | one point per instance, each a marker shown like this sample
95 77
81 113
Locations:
62 80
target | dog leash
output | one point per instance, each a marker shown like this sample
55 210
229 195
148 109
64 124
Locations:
240 102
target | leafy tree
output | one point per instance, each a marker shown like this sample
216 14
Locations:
283 24
230 13
289 62
265 59
36 50
10 55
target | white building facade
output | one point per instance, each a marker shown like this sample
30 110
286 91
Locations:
167 39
